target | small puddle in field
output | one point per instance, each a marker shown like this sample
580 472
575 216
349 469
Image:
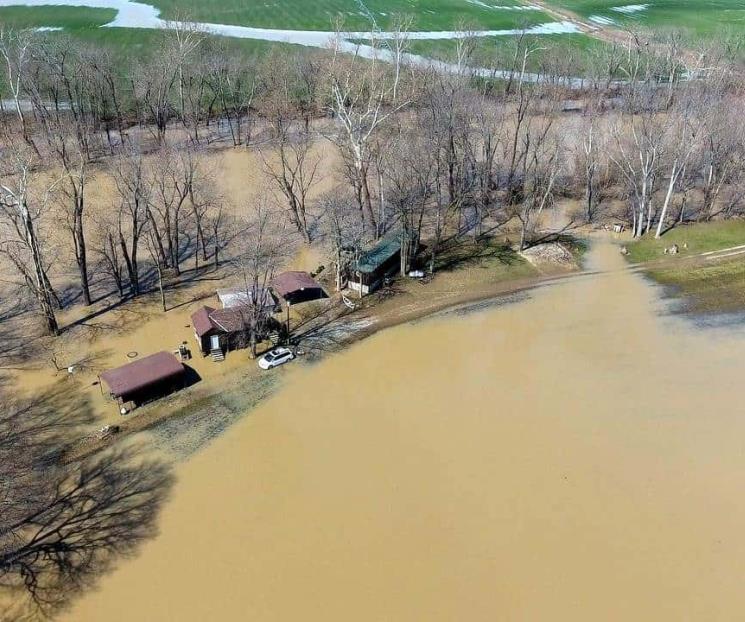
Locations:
573 456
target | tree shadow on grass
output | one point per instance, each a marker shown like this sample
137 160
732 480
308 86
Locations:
64 523
467 252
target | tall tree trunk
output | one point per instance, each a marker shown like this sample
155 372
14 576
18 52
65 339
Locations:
81 256
43 291
160 286
668 195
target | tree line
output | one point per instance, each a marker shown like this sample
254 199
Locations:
434 153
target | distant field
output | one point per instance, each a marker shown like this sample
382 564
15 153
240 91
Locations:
356 14
136 42
84 24
698 17
488 49
68 17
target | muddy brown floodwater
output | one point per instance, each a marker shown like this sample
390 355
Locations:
576 456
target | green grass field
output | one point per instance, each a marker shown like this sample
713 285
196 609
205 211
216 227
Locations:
139 42
572 48
697 17
716 286
356 14
70 18
700 238
84 24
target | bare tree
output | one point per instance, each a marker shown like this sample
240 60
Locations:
639 138
154 83
723 147
16 48
524 99
362 100
173 177
262 249
542 149
19 235
204 201
294 172
217 224
106 246
109 99
134 191
588 160
447 120
157 260
682 143
411 176
234 88
343 230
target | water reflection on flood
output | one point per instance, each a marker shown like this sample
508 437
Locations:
568 457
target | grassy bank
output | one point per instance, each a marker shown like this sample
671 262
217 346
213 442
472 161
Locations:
706 288
699 238
705 284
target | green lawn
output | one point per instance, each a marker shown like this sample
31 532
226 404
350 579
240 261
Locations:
708 286
71 18
698 18
700 238
356 14
139 42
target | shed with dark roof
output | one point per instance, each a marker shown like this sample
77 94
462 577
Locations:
369 271
146 379
296 287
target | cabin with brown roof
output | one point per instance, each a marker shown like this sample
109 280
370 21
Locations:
146 379
220 330
296 287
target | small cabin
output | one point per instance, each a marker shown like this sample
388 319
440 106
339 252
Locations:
296 287
220 330
145 380
369 271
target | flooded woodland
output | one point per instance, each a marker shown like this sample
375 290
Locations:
577 455
510 423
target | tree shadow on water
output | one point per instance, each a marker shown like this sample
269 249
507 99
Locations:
64 523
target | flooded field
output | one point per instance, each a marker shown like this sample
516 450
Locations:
574 456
